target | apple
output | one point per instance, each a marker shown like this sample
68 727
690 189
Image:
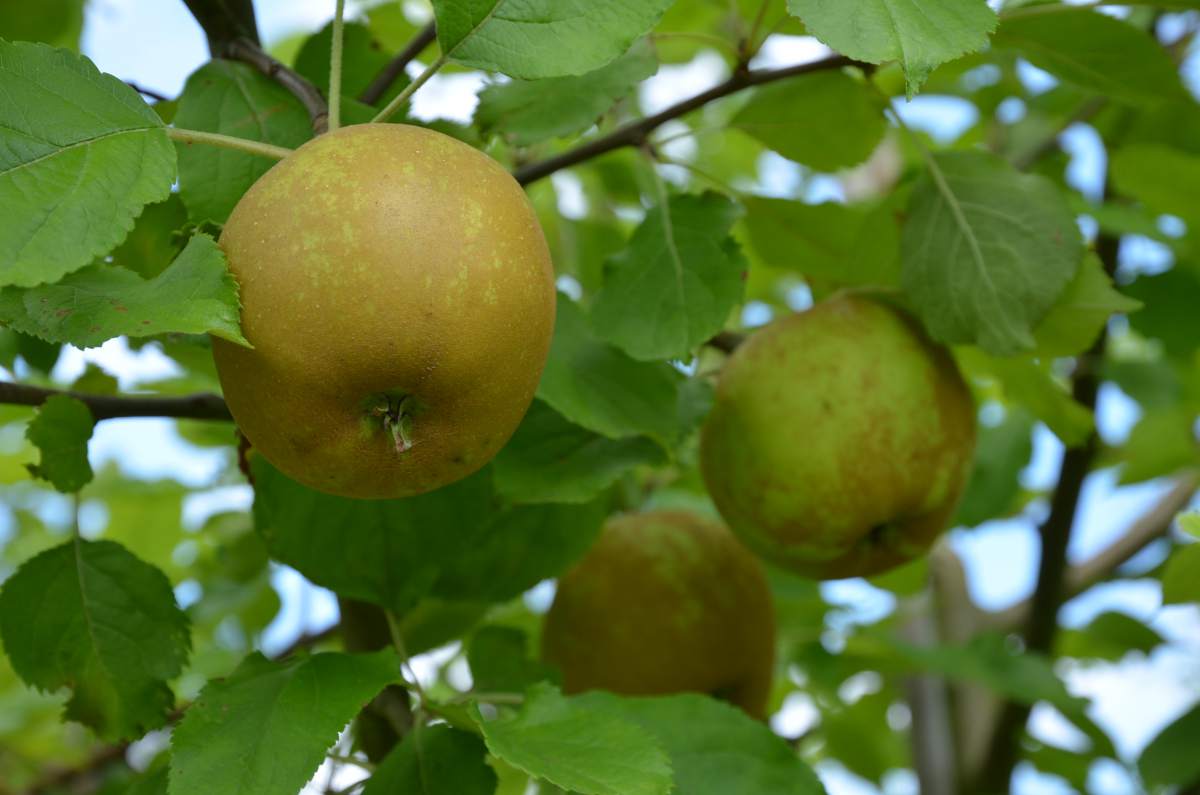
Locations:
665 602
840 439
399 296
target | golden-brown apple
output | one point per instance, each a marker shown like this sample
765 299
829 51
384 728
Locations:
399 295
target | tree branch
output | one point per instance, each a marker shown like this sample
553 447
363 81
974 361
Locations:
200 406
1055 534
224 21
310 96
635 133
390 73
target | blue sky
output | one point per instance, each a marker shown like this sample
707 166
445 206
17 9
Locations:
157 44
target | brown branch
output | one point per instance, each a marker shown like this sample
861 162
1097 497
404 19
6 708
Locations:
1149 527
147 92
1055 533
224 21
636 133
310 96
200 406
394 68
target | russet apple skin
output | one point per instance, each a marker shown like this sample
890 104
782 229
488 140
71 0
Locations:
840 440
665 602
377 263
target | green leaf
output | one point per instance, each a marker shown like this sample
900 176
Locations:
80 154
595 385
389 552
155 240
61 431
454 543
586 751
1181 579
1170 300
528 111
1165 179
844 244
232 99
676 284
434 760
986 251
196 294
1109 636
56 22
714 748
1094 51
1190 524
532 39
265 728
1161 443
920 34
1082 310
1001 452
1171 757
90 616
500 662
1031 385
362 59
781 116
584 463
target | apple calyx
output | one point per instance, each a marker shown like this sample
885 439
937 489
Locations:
395 411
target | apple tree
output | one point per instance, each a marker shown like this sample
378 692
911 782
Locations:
575 406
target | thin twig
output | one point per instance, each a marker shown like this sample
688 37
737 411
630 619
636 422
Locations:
395 67
398 102
229 142
635 133
299 86
147 92
200 406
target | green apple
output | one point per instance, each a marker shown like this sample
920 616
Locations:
399 295
665 602
840 439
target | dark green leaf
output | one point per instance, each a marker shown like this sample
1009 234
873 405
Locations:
1170 301
1181 579
549 459
434 760
781 115
986 251
500 661
1109 636
90 616
1082 310
80 154
1001 452
1171 757
61 431
265 728
676 284
1165 179
155 240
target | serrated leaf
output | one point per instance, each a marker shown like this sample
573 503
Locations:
1165 179
532 39
676 283
843 244
264 729
90 616
1081 312
232 99
155 241
920 34
583 463
434 760
61 430
986 251
528 111
80 154
1181 578
714 749
780 115
196 294
1094 51
1171 757
595 385
586 751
